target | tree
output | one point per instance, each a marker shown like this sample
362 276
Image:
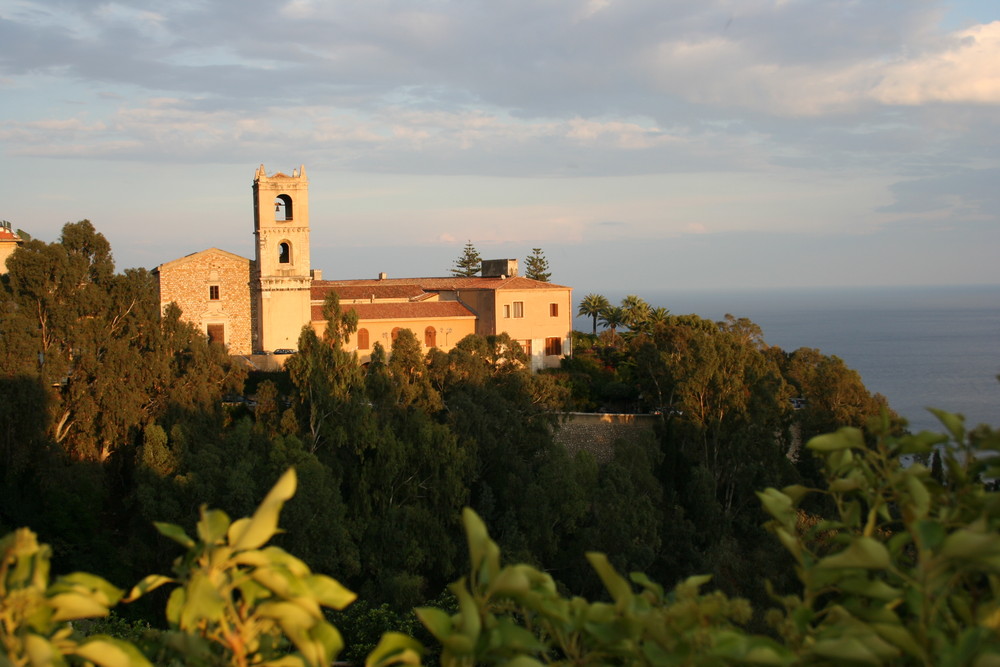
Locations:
593 305
536 267
468 263
636 311
613 317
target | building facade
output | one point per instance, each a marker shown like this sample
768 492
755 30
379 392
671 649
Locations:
9 242
260 306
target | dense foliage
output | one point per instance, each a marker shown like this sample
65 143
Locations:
904 570
116 415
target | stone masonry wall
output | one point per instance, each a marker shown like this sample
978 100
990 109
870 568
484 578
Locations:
597 433
187 282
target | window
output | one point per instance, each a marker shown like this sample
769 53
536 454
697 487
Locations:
553 310
526 346
553 346
518 309
284 253
282 208
362 339
430 337
506 311
395 334
213 292
217 333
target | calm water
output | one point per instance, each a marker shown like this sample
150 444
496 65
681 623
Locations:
919 347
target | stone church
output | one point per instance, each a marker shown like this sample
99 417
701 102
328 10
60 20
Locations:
259 306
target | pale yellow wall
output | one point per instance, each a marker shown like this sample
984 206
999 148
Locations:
281 291
282 314
7 249
380 331
537 323
187 282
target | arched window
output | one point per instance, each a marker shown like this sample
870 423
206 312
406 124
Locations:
430 337
395 333
282 208
284 252
362 339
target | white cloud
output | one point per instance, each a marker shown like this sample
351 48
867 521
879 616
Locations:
965 70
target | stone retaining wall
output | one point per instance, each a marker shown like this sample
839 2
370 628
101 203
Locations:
598 432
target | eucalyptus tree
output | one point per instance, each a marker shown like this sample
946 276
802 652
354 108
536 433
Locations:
593 306
98 344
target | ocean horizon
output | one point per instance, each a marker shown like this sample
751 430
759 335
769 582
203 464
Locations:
920 347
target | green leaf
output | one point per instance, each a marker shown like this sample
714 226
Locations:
213 525
40 651
437 622
953 422
621 591
919 497
970 544
102 590
108 652
845 649
846 437
203 602
174 532
395 648
148 583
329 592
261 527
779 505
73 606
931 533
863 552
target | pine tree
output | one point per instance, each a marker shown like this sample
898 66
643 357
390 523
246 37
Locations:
536 266
468 263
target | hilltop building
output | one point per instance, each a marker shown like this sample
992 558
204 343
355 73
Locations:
9 242
259 306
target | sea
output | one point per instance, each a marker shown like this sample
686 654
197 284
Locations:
919 347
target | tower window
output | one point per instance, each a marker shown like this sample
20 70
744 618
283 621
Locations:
284 253
282 208
213 292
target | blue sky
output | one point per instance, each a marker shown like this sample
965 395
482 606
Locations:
641 143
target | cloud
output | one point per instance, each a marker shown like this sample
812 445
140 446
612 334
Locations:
966 69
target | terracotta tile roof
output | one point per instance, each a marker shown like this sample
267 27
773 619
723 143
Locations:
420 310
349 292
454 283
8 235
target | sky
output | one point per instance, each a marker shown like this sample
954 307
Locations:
642 144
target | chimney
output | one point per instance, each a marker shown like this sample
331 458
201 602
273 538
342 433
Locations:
498 268
383 275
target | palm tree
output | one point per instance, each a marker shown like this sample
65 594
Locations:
592 306
636 311
658 315
613 317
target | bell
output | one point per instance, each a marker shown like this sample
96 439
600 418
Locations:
277 206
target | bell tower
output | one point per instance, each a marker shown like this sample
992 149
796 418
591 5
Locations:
281 280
